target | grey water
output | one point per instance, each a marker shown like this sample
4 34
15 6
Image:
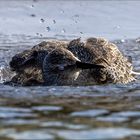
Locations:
65 112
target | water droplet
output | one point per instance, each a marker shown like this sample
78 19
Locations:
117 27
42 20
41 35
48 28
63 31
33 15
61 11
122 40
81 33
138 40
54 21
76 15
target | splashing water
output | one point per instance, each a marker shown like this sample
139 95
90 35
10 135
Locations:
5 74
48 28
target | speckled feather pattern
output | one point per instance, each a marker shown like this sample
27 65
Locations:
117 69
100 51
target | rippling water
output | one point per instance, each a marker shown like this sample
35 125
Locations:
93 112
89 112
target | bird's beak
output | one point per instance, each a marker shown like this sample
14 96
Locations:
84 65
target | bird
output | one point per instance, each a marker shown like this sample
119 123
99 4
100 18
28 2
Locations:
93 61
117 68
28 64
29 57
61 67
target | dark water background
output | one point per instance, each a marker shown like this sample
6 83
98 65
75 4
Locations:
87 112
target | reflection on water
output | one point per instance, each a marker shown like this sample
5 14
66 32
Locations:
100 133
93 112
89 113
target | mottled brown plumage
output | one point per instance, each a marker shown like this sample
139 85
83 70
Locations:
100 51
28 64
38 65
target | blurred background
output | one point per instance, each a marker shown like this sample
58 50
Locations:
69 18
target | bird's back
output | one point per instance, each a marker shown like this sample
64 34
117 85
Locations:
100 51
